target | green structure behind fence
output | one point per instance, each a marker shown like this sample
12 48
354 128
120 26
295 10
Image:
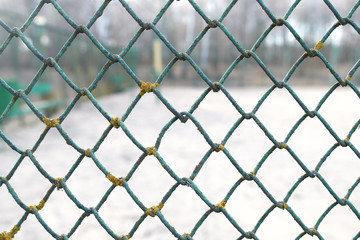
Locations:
118 123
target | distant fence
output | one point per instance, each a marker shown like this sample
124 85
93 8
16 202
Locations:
119 123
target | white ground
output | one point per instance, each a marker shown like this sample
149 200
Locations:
182 148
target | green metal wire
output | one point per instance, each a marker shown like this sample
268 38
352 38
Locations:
183 117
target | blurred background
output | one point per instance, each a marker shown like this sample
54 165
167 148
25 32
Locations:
147 58
181 24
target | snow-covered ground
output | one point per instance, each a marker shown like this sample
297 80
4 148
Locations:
182 148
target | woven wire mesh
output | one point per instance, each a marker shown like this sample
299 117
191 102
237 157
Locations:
119 123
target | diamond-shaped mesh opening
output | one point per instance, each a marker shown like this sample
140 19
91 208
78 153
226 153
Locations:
21 140
21 11
214 113
239 205
311 72
126 208
279 51
248 145
88 191
310 207
286 228
340 57
181 12
31 228
345 159
183 153
350 114
335 226
29 193
9 209
73 124
90 228
247 72
82 61
212 180
150 182
60 219
83 16
54 155
288 112
305 151
18 62
221 223
190 212
139 119
318 23
179 162
240 29
281 181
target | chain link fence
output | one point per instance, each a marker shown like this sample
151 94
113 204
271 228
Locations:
119 123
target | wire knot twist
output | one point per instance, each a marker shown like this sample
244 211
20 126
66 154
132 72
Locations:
279 22
221 204
83 92
51 122
37 207
218 148
313 230
282 145
87 153
80 29
152 211
58 182
283 206
114 58
146 26
212 24
317 47
343 21
146 87
123 237
216 87
115 122
151 151
114 180
9 235
49 62
15 32
186 235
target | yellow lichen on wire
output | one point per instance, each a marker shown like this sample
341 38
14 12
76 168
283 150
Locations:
115 122
57 182
37 207
283 206
319 46
186 235
9 235
51 122
5 236
282 145
218 148
313 230
114 180
152 211
151 151
87 153
221 204
146 87
125 236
